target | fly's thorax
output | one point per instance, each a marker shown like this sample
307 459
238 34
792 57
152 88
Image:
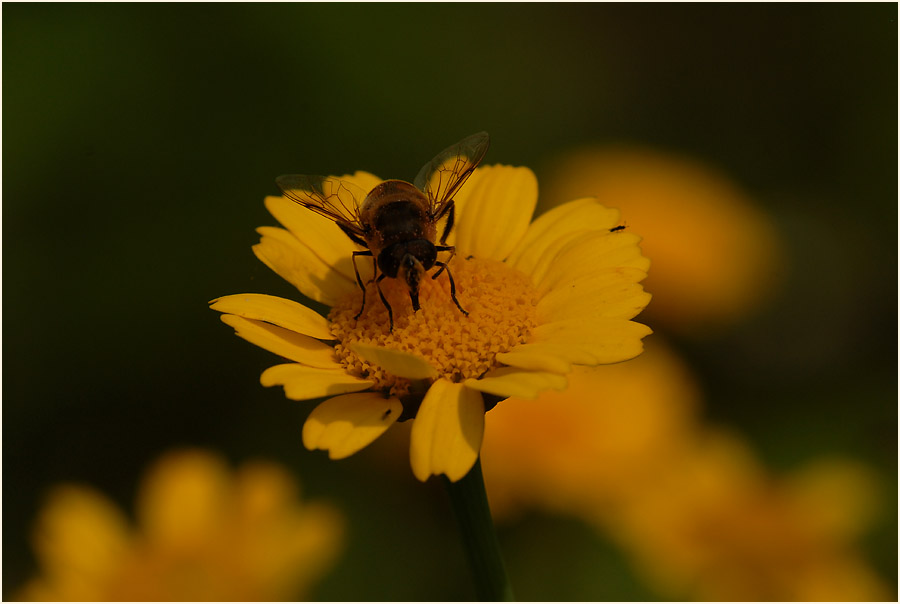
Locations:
396 211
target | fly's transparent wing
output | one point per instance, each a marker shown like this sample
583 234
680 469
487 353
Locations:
442 177
331 197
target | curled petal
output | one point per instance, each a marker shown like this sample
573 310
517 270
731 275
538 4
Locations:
285 343
535 360
396 362
304 383
510 381
345 424
603 340
277 311
525 356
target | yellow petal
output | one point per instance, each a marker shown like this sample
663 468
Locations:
396 362
297 264
318 233
610 292
345 424
550 350
535 360
589 252
599 278
446 434
290 345
322 235
555 228
607 340
495 208
304 383
511 381
278 311
362 179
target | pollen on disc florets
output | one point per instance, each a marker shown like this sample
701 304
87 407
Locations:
499 299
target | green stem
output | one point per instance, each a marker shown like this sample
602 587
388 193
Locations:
470 506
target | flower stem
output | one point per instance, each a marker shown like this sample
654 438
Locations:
470 506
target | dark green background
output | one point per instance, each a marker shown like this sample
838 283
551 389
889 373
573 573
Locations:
139 140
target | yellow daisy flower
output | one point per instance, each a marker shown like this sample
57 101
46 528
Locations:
202 533
540 297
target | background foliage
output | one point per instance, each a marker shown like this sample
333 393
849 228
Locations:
140 139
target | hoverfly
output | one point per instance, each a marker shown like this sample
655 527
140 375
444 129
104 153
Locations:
396 221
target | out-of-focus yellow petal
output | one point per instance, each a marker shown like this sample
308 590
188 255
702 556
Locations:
590 252
511 381
839 497
607 436
611 292
283 342
203 534
399 363
79 540
263 488
345 424
278 311
297 264
304 383
607 340
215 536
554 228
446 434
292 544
495 207
181 501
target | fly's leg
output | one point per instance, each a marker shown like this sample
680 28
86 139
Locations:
353 236
443 265
359 279
452 286
384 300
450 210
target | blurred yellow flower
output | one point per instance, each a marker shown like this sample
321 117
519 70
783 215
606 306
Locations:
572 451
624 449
203 533
716 255
716 526
540 297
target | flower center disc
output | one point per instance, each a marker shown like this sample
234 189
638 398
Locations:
501 305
